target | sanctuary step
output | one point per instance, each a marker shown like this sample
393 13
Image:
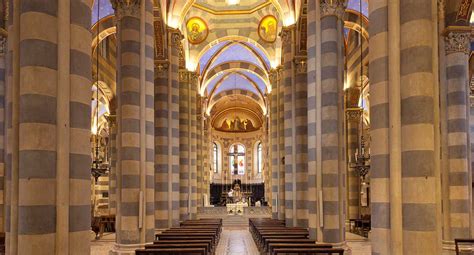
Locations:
235 221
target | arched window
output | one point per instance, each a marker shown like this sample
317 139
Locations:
216 157
259 158
237 159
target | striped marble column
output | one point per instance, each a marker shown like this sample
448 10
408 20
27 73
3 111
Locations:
167 135
267 172
332 63
193 129
379 128
206 145
135 121
353 119
199 152
301 140
3 49
48 90
314 117
457 46
420 215
187 145
276 106
289 132
113 166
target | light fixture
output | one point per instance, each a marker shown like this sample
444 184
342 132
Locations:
232 2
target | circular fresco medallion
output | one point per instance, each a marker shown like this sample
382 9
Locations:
267 29
197 30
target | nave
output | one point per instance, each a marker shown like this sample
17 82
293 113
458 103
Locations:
124 121
237 240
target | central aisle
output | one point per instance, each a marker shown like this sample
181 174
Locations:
236 241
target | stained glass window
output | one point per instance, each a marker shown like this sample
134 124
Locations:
237 159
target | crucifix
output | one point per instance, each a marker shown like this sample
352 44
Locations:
235 155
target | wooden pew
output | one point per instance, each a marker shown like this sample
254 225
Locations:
274 246
201 241
308 251
204 246
171 251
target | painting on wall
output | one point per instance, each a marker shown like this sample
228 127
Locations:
237 125
197 30
267 29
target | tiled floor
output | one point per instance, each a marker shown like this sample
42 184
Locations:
236 241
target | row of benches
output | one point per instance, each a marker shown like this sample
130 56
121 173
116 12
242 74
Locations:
193 237
273 237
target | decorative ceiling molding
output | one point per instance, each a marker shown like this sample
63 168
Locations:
231 12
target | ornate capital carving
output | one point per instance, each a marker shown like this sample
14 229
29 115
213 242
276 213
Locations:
275 75
458 42
353 114
301 64
175 37
161 69
333 8
3 45
186 76
286 33
126 8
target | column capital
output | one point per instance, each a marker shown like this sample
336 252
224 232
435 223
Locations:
333 8
457 40
175 37
286 32
275 74
187 76
301 63
125 8
161 68
3 45
353 114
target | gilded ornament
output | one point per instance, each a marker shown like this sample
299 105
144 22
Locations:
197 30
267 29
458 42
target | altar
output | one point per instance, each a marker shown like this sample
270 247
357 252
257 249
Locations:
236 208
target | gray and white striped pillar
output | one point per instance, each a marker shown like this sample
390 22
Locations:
353 120
314 118
187 145
332 119
277 150
419 160
167 135
3 49
48 103
379 128
113 165
135 125
288 37
301 140
199 152
457 47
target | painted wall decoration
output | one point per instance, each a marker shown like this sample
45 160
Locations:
267 29
197 30
237 125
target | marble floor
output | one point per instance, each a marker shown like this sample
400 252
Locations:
236 241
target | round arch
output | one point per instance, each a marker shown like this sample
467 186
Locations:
234 66
237 39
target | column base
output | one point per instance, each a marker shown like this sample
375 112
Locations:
126 249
